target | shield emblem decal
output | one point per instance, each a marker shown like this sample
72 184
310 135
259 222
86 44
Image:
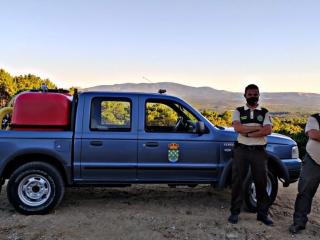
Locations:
260 118
173 152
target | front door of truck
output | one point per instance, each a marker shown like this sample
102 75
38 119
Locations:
109 140
169 149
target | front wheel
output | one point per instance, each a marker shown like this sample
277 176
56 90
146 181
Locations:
250 191
35 188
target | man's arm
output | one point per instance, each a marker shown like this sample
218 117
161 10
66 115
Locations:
314 134
264 131
312 129
242 129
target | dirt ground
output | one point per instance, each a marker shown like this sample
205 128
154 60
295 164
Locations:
152 212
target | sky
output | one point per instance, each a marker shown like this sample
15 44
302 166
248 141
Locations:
221 44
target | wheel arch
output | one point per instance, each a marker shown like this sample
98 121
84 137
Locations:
276 166
226 175
22 159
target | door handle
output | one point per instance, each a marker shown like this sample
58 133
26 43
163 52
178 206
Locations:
96 143
151 144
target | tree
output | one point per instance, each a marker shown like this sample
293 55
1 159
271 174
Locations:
72 90
30 81
7 83
115 112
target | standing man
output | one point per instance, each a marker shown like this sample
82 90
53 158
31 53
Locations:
309 176
253 124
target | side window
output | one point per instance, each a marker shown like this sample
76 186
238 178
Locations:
160 117
168 116
110 114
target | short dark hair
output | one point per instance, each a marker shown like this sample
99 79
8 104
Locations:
251 86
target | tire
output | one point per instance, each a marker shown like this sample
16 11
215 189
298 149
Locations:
35 188
250 195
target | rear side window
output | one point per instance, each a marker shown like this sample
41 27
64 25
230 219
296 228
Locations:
110 114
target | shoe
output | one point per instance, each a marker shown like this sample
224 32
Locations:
265 220
294 228
233 218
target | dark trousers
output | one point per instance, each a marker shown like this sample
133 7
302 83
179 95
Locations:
256 159
307 187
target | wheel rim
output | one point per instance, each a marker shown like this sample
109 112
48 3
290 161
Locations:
253 194
34 190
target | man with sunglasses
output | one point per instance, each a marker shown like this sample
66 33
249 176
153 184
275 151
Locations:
253 123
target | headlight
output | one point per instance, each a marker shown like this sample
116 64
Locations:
295 152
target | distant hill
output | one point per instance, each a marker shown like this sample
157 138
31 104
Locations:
220 100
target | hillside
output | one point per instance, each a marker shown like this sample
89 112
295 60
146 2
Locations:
220 100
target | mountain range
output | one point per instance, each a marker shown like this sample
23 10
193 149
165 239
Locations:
221 100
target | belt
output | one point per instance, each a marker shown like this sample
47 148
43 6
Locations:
250 147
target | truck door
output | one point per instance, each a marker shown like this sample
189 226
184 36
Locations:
169 150
109 139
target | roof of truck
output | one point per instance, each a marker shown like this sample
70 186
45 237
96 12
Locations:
124 93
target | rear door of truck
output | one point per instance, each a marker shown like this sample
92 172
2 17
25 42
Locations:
108 139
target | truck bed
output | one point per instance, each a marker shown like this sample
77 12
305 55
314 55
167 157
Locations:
57 144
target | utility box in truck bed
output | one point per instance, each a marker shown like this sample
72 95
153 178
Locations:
41 111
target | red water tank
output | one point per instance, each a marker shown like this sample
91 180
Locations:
41 111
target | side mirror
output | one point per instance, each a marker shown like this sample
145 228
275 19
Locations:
200 127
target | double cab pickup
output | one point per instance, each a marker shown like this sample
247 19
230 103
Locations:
119 139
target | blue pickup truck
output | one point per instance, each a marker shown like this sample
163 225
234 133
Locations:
119 139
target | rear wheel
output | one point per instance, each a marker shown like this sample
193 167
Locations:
250 191
35 188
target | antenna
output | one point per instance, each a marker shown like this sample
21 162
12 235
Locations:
161 91
147 79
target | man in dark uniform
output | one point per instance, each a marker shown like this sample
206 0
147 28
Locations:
253 124
309 177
